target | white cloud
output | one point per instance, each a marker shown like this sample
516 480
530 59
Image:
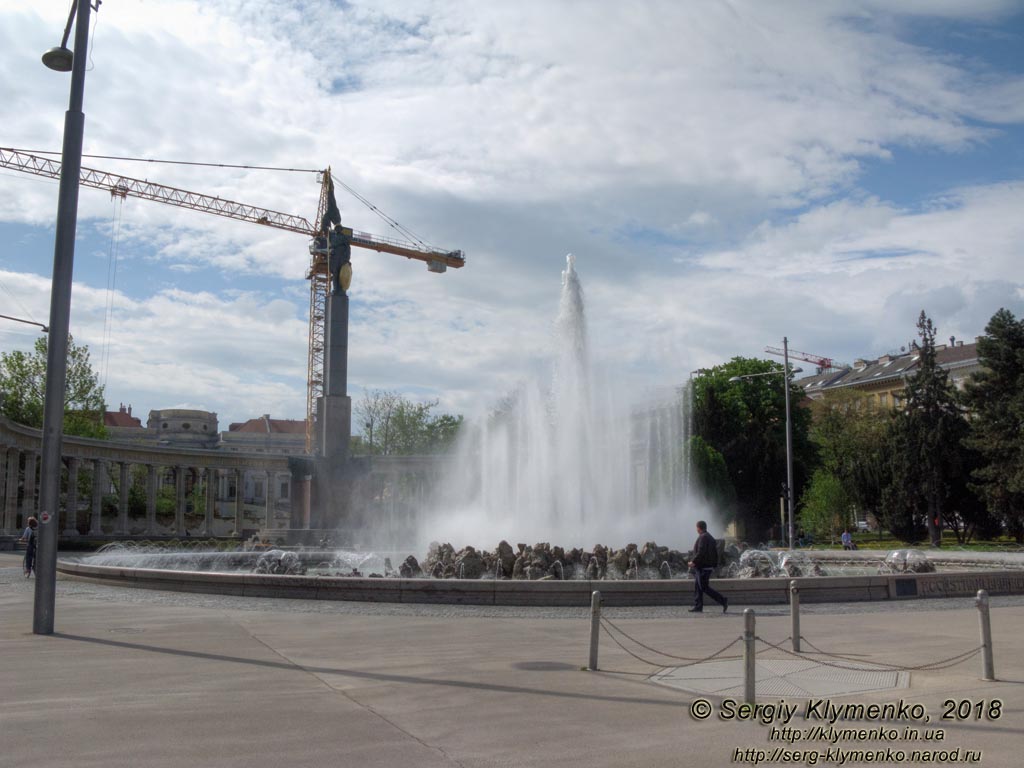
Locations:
701 160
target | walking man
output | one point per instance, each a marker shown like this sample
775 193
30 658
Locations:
705 560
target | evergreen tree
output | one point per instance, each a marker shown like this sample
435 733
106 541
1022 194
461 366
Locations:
996 397
926 450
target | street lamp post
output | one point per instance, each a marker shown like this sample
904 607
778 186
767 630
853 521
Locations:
789 427
789 439
60 317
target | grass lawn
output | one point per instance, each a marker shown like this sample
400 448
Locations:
885 541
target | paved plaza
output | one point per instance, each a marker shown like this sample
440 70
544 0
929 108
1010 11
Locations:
145 678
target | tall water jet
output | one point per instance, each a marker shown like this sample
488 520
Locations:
567 460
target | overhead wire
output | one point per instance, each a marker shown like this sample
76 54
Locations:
401 229
21 306
112 263
156 161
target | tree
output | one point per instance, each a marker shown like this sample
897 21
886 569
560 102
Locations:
711 473
23 386
373 415
393 425
851 437
927 454
824 505
996 398
745 422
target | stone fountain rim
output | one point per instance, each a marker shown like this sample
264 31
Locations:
766 591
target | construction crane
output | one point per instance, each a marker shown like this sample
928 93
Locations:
821 363
319 265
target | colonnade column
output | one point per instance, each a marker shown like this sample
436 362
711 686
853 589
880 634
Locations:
122 503
71 499
10 516
150 499
211 500
179 499
271 481
99 468
28 499
239 502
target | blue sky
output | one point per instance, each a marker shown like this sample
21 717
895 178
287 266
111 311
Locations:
727 173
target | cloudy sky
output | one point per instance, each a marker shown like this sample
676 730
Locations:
727 173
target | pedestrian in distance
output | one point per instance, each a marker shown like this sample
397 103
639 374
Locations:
29 537
705 560
847 539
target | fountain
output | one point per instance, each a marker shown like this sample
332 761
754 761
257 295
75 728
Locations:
560 462
567 459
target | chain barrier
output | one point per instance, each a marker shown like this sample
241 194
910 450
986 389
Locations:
862 664
607 626
952 661
622 632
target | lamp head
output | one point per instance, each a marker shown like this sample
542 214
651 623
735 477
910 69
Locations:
796 370
734 378
58 59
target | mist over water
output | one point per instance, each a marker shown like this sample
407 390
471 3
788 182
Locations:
565 459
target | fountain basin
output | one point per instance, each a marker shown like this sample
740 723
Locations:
764 591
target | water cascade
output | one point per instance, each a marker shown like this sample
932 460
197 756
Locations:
568 459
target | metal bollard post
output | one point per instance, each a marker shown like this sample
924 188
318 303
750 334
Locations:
595 628
748 656
981 601
794 614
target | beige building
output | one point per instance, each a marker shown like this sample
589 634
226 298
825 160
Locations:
885 378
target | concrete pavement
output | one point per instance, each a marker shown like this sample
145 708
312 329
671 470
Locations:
134 679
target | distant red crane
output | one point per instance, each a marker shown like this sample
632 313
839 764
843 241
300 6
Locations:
821 363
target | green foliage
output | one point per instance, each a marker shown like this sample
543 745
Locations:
198 498
851 435
825 506
166 503
393 425
745 422
23 386
712 474
996 398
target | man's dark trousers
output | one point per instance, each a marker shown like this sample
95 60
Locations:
702 585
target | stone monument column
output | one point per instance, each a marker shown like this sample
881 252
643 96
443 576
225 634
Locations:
150 499
124 480
71 499
99 476
10 516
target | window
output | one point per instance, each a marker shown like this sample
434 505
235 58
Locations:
186 425
164 426
284 490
